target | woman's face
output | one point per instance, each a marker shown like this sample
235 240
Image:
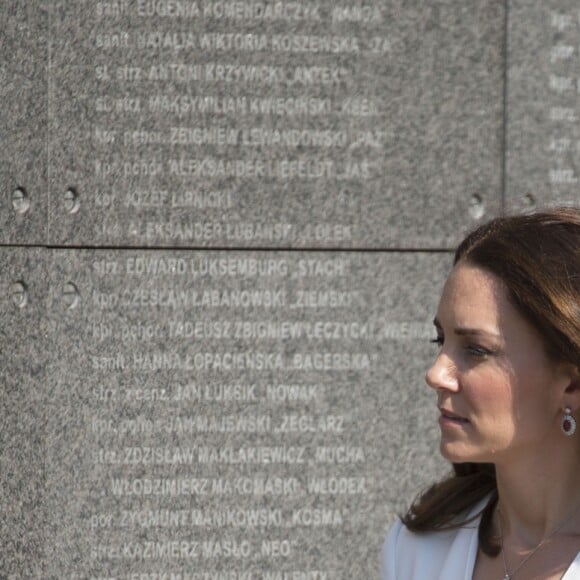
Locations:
498 392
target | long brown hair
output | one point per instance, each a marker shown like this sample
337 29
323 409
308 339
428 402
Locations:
537 256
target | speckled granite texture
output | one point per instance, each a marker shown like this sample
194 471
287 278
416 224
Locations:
543 136
23 122
190 387
169 413
24 347
226 124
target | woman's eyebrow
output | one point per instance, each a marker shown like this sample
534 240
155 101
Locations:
464 330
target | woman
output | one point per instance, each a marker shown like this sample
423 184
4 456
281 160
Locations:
507 380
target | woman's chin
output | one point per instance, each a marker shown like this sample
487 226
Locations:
455 453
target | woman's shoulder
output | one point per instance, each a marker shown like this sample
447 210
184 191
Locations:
408 555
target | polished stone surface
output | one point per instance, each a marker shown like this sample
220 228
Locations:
214 379
24 347
167 408
24 101
543 105
317 126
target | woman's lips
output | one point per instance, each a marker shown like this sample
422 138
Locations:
450 418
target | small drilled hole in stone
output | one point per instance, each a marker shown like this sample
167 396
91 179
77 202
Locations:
20 200
19 294
476 206
71 200
71 295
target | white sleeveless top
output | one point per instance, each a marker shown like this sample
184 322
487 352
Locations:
448 555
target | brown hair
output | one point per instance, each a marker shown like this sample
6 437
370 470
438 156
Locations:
537 256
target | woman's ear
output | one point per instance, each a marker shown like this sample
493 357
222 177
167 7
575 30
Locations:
571 396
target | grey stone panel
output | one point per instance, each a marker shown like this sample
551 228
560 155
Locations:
191 430
322 126
23 121
23 343
543 132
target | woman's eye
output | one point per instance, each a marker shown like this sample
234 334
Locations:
438 340
477 350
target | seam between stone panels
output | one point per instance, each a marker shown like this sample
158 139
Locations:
229 249
48 120
504 151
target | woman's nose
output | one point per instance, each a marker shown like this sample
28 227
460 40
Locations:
442 374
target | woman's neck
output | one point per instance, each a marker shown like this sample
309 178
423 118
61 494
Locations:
538 495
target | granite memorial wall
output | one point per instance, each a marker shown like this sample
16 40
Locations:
224 226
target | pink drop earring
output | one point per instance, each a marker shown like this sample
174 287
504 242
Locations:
568 423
